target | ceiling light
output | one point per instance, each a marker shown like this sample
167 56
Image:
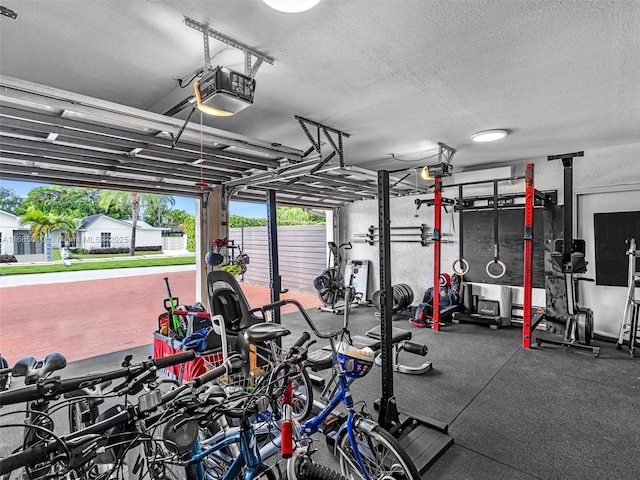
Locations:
291 6
489 135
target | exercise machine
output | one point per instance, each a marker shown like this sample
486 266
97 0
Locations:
630 317
330 283
568 258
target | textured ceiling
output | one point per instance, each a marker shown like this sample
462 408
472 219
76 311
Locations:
397 75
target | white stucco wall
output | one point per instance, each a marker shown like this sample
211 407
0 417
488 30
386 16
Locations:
603 170
8 223
120 235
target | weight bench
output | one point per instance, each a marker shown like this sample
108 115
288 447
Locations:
319 360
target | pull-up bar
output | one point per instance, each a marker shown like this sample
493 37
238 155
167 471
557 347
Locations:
530 194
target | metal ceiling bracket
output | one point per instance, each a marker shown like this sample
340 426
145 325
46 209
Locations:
317 144
232 42
8 12
445 154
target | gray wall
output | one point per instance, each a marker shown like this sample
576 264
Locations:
301 252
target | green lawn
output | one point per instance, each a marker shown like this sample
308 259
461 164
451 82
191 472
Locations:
13 269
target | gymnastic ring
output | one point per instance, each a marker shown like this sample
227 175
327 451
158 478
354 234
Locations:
499 262
464 263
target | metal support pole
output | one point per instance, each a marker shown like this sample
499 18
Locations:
568 210
275 282
437 224
388 413
528 255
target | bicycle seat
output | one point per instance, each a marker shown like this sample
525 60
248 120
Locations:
32 370
262 332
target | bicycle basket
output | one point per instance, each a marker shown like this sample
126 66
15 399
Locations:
356 362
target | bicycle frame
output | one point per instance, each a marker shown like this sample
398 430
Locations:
250 456
342 395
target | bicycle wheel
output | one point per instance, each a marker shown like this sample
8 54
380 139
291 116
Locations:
308 470
330 286
382 455
302 395
78 415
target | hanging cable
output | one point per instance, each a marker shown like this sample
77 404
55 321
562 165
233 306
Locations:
201 184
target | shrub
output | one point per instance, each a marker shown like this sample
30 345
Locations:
8 259
190 231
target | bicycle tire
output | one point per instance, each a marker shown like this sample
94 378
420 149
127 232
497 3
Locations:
75 416
381 453
329 285
302 395
313 471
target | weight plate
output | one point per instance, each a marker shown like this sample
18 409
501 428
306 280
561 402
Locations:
375 299
407 297
584 323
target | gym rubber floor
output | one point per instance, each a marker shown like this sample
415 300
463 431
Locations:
543 413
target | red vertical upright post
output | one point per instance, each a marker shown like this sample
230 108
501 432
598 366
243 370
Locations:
528 254
437 220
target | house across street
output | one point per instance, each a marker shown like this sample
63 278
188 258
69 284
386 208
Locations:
94 232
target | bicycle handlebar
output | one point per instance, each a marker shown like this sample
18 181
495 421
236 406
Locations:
305 315
26 457
301 341
236 362
52 387
40 453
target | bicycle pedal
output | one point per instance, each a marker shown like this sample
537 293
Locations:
332 439
333 423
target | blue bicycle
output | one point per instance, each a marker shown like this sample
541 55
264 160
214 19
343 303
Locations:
263 415
365 449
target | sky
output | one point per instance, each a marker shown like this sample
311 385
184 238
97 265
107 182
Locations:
243 209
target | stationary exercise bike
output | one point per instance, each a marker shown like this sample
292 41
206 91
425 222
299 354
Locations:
330 283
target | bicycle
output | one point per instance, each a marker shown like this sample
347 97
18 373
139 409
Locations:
48 455
365 448
176 411
38 423
210 458
330 283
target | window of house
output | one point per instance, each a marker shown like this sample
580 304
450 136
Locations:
105 239
68 240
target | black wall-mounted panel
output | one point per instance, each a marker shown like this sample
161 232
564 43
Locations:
478 245
612 230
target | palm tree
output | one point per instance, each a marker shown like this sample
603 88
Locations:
42 224
115 200
155 206
119 200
